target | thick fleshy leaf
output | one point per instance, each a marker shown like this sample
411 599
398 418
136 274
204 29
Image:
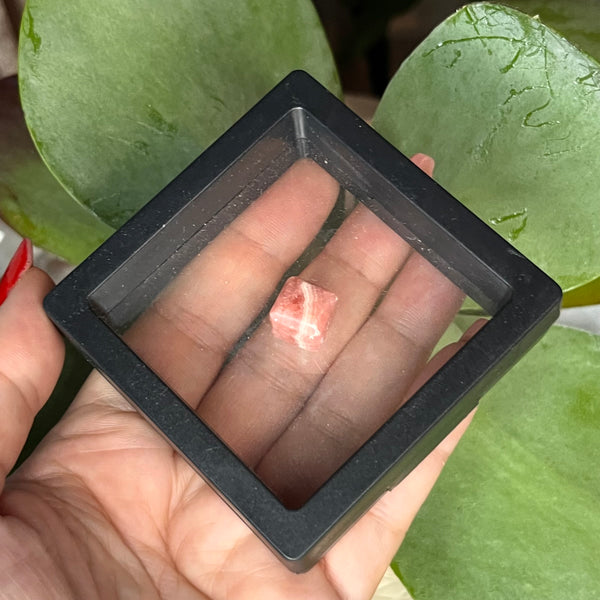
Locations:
515 511
576 20
510 111
579 22
31 200
583 295
121 96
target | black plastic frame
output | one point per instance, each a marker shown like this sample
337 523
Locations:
300 118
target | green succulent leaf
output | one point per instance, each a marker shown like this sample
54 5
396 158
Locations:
576 20
121 96
31 200
515 511
510 111
579 22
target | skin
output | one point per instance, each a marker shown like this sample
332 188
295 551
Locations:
106 509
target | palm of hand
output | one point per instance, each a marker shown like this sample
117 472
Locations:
106 505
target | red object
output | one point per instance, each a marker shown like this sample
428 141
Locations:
301 313
19 263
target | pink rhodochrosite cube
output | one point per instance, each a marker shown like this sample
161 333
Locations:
301 313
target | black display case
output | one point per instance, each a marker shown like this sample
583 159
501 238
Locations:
301 119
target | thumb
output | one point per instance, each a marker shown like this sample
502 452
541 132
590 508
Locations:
31 358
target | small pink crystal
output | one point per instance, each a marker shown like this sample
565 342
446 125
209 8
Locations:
301 313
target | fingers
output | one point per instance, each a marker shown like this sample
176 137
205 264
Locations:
381 531
366 384
267 384
444 356
202 314
262 389
31 358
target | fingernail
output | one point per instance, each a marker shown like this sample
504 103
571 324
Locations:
19 263
424 162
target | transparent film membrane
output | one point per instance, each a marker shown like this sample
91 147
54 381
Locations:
294 321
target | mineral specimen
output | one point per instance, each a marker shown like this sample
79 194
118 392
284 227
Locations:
301 313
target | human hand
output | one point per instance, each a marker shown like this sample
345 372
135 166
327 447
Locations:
106 508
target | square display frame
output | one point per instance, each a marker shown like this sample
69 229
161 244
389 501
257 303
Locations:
298 119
